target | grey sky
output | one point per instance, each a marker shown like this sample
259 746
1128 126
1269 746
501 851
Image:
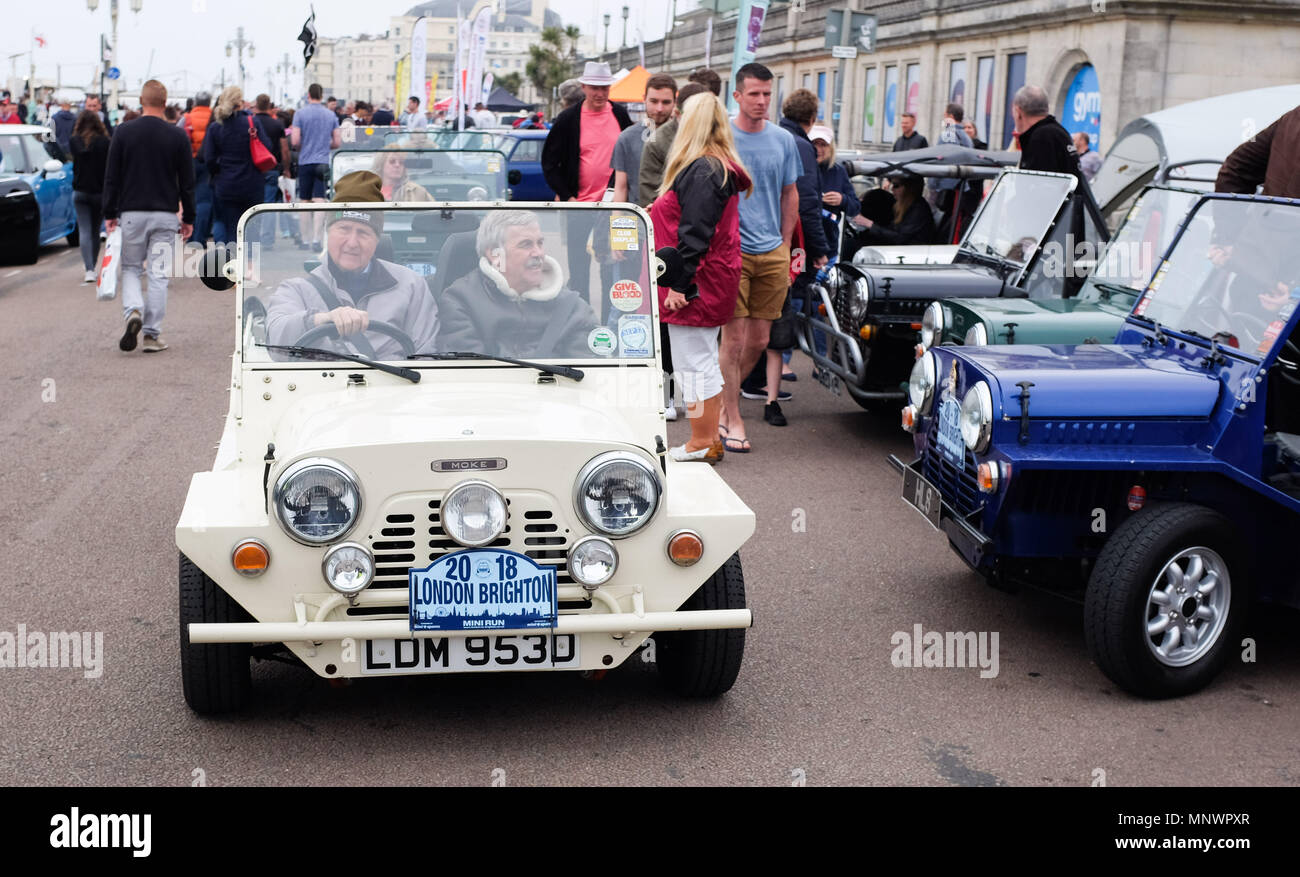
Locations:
187 38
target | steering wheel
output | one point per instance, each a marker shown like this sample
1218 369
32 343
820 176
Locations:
1251 321
1289 372
329 330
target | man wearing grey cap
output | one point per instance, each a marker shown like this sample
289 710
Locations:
353 287
576 160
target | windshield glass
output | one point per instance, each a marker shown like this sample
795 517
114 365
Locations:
566 283
1234 274
12 160
1142 239
428 174
369 137
1016 214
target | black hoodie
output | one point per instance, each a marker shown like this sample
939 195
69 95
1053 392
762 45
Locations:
810 196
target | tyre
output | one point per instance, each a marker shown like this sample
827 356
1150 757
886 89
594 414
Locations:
705 663
29 250
217 677
1166 599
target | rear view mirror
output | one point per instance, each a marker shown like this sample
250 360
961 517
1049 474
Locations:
669 266
213 270
52 166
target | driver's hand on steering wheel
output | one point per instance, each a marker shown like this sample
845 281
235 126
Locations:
1273 301
1219 255
345 319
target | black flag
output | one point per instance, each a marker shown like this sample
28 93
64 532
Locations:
308 38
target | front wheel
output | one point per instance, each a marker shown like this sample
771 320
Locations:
217 677
705 663
1166 599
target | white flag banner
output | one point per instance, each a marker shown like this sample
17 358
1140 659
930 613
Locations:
708 43
478 54
488 80
462 62
640 47
419 59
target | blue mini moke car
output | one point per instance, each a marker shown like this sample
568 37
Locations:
1156 478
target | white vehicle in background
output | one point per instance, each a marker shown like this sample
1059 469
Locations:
451 508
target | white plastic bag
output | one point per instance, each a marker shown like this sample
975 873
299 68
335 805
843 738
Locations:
287 187
110 266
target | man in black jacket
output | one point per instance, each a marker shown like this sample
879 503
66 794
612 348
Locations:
1044 144
576 160
150 173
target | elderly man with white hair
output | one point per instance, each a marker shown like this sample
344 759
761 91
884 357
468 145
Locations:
514 303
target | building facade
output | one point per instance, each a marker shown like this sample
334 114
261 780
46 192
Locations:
1102 62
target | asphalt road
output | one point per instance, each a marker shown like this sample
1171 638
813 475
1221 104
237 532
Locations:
97 451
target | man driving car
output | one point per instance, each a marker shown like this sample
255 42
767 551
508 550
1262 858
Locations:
353 287
514 303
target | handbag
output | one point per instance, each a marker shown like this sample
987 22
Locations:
263 160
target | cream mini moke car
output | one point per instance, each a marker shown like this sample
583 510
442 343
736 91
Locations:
441 458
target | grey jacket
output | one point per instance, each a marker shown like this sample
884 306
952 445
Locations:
395 295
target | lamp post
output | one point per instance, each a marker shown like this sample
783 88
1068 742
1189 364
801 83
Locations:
238 43
606 33
136 6
286 67
624 43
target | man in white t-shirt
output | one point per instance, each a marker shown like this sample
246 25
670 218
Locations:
483 117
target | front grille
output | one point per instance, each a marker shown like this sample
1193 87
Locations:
411 536
958 484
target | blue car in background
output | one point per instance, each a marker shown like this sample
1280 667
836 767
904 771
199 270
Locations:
1157 478
36 205
523 150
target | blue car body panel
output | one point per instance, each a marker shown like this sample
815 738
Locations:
523 149
53 191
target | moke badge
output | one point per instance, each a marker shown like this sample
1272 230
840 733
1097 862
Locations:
487 464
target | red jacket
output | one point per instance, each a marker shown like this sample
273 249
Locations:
699 215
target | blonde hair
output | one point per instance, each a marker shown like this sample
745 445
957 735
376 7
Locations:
382 157
830 159
704 130
228 102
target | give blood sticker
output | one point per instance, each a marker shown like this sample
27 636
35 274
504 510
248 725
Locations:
626 295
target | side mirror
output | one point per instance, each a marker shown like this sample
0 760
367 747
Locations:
515 177
52 166
215 272
668 266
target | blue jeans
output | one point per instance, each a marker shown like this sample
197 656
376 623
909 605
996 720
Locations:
206 220
819 337
270 195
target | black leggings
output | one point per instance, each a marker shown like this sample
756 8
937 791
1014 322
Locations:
90 215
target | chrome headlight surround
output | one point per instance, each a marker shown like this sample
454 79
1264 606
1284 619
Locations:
932 325
495 501
977 335
977 417
476 193
920 385
578 570
318 466
356 556
592 472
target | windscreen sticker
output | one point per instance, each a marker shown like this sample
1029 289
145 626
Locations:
623 233
634 336
1158 279
600 341
1270 335
626 295
494 166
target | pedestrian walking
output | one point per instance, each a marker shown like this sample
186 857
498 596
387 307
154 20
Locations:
63 122
911 139
1270 159
9 113
954 221
314 133
195 124
697 212
274 130
797 116
767 222
483 117
88 144
576 158
237 184
1089 159
839 199
382 117
654 153
150 171
660 99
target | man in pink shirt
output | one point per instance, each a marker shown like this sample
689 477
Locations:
576 160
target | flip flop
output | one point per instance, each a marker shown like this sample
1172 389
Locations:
736 445
722 432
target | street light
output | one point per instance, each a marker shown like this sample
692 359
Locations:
606 33
624 43
238 44
136 6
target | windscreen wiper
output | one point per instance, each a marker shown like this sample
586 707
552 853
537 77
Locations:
320 353
1111 289
564 370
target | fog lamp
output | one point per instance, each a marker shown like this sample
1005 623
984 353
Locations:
348 568
593 561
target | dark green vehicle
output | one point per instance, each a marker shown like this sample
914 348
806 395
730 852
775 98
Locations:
1093 316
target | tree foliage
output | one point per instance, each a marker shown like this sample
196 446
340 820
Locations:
552 60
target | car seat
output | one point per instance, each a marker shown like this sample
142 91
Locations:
457 258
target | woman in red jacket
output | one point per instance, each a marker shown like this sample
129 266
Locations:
696 212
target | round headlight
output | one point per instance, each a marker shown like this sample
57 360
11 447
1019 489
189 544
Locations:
476 193
348 568
920 386
977 417
977 336
473 513
932 325
317 500
593 561
861 298
617 493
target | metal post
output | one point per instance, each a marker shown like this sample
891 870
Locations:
112 62
837 104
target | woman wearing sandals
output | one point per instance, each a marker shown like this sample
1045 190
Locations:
696 212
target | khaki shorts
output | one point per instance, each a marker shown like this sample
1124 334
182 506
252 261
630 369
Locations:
764 280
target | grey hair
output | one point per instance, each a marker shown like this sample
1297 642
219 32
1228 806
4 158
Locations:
1032 100
492 231
571 93
203 99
